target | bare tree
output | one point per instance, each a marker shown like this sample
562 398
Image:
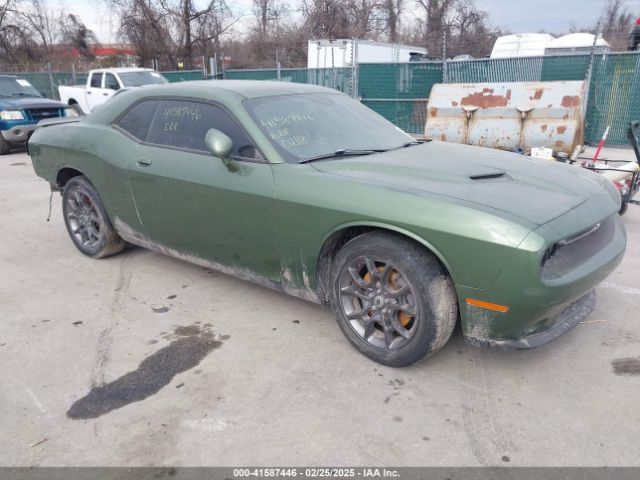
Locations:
469 31
615 22
211 25
10 32
366 18
39 22
30 30
437 15
76 35
327 18
463 26
145 26
25 34
393 10
197 27
261 8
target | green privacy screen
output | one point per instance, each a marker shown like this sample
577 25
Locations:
400 92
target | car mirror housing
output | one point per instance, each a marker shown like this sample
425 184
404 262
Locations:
219 144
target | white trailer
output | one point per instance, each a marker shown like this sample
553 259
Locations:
344 52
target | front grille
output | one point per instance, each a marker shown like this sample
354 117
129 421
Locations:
38 114
565 255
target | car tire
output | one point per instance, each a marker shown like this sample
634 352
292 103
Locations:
77 108
5 147
87 221
393 299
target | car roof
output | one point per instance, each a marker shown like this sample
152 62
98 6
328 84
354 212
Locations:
243 88
123 69
227 92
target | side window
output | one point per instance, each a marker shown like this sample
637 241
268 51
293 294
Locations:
111 82
184 124
96 80
137 120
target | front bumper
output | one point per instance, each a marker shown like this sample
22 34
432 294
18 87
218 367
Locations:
540 307
19 133
572 315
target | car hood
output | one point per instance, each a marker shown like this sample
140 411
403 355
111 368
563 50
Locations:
535 190
28 103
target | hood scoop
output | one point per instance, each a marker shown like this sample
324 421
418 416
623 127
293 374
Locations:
490 177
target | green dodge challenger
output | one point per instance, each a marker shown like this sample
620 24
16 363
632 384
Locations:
305 190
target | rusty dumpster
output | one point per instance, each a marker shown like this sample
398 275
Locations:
509 116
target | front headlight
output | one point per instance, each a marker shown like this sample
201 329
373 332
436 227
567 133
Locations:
11 115
70 112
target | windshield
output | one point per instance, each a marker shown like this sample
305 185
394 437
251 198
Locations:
305 126
136 79
17 87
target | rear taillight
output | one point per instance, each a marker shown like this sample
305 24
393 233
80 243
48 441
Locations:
637 21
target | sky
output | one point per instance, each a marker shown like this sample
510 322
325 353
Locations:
549 15
516 16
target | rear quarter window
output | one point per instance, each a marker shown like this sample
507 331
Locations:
136 122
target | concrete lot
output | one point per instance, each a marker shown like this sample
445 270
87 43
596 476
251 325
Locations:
228 373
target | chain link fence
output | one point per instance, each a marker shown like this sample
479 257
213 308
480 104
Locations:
400 92
614 96
337 78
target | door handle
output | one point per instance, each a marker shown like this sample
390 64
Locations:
105 94
88 92
144 162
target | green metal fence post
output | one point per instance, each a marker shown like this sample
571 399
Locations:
355 70
588 74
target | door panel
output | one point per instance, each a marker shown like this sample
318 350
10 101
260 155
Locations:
203 207
94 90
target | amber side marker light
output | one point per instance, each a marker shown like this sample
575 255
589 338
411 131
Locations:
489 306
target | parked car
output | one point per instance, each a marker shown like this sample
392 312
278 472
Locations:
634 36
21 108
302 189
103 84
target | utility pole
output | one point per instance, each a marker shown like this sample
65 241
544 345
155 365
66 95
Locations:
444 54
588 75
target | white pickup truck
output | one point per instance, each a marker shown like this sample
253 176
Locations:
102 84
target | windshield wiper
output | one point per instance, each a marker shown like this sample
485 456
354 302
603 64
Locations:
340 153
411 143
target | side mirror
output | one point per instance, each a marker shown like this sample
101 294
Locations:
219 144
